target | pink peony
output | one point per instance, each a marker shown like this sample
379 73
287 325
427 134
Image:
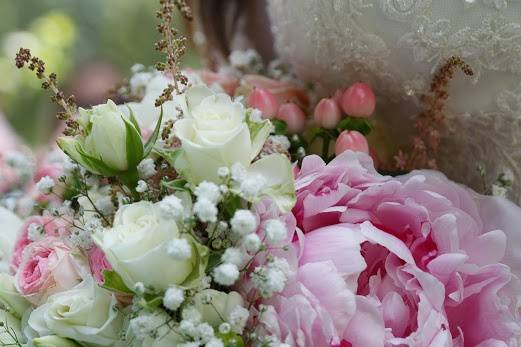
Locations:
50 227
319 297
48 266
97 263
428 262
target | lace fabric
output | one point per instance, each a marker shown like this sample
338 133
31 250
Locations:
396 45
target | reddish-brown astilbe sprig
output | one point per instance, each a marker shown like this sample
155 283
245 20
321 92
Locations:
49 82
173 45
426 142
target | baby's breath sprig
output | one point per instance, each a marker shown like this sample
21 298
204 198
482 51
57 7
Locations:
49 82
173 45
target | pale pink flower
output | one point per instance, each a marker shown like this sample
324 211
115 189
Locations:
293 116
50 227
283 91
351 140
48 266
226 82
442 262
98 263
358 100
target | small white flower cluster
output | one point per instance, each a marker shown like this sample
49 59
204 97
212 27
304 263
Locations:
173 298
172 207
45 185
35 231
21 163
146 168
243 224
247 60
142 186
146 325
272 277
179 249
208 196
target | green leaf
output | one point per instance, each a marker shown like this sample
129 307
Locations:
151 302
232 204
94 164
114 282
133 120
213 260
134 145
178 185
153 138
170 156
280 126
359 124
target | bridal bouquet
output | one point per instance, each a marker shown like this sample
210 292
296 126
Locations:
192 215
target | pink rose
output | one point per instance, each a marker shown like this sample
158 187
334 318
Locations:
441 263
226 82
49 227
48 266
97 263
51 164
283 91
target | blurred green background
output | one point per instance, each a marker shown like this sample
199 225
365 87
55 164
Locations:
90 44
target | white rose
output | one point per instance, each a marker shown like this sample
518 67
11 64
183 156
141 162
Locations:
215 306
163 335
215 134
137 248
10 226
53 341
86 313
15 336
10 297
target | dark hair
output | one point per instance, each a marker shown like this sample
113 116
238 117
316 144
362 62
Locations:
222 20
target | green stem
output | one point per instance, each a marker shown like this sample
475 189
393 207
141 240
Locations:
325 146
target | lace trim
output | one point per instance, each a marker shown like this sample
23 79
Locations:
495 45
403 10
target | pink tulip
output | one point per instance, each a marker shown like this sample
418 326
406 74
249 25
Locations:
338 96
293 116
327 113
351 140
264 101
359 100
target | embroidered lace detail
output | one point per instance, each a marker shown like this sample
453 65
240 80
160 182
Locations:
396 45
403 10
495 45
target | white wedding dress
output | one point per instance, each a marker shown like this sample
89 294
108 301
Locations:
396 45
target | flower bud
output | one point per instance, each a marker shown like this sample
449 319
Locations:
264 101
358 100
327 113
351 140
293 116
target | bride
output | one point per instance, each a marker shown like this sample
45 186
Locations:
396 46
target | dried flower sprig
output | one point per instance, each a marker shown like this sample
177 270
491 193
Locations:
49 82
173 45
426 143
